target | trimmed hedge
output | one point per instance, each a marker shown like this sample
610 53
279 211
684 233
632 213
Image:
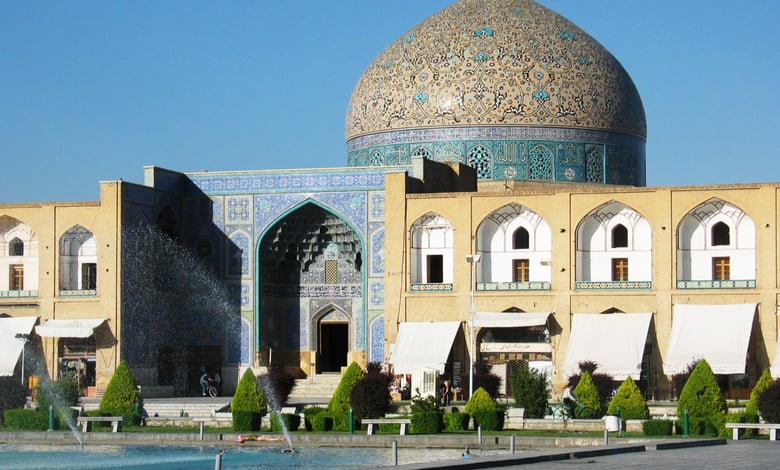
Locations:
246 421
340 401
456 421
701 395
291 422
588 401
29 420
742 417
657 427
427 422
628 402
769 403
489 420
248 404
311 414
763 383
122 395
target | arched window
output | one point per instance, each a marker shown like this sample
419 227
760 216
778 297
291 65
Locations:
721 234
520 239
620 236
16 247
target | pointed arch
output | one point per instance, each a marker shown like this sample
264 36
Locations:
78 260
432 250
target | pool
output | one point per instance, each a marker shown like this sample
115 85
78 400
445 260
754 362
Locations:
96 456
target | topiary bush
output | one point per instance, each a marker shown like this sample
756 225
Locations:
29 420
657 427
605 384
60 394
769 403
529 390
248 404
12 395
489 420
701 395
291 422
456 421
628 402
370 397
427 422
481 400
588 402
340 401
679 380
122 395
311 414
743 417
763 382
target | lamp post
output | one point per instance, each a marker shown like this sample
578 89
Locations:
473 260
23 337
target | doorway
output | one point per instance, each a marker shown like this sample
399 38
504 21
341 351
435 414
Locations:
333 346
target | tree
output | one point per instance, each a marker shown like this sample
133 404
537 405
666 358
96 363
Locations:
629 401
604 383
588 401
769 403
122 395
763 382
701 395
370 397
248 404
12 395
529 389
340 401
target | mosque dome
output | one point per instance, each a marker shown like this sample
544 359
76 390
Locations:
508 87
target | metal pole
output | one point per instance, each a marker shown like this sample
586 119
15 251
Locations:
218 461
395 453
473 260
512 444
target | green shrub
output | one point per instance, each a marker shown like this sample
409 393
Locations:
60 394
291 422
309 414
456 421
588 401
340 401
341 421
248 404
769 403
12 395
489 420
743 417
427 422
321 423
657 427
29 420
628 402
701 395
122 395
763 382
424 405
480 401
529 389
604 383
370 397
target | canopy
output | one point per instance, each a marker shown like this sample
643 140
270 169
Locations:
423 345
718 333
775 369
11 346
509 319
614 341
69 328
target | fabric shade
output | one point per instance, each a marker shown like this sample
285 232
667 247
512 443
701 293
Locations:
509 319
614 341
718 333
68 328
775 369
423 345
11 346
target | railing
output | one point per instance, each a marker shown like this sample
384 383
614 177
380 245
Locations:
18 293
424 287
709 284
494 286
613 285
78 293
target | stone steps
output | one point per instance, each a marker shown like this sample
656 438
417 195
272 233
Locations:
315 388
176 410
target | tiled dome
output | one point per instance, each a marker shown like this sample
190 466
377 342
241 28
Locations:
509 71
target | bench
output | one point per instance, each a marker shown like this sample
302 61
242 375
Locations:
116 422
772 427
371 422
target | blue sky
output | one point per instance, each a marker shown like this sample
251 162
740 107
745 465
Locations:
94 90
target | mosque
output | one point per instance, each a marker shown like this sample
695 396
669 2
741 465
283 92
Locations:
493 210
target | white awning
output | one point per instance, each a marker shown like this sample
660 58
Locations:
509 319
614 341
423 345
68 328
718 333
10 345
775 369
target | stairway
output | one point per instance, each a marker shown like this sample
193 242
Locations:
317 389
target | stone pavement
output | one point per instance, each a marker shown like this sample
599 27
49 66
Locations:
724 455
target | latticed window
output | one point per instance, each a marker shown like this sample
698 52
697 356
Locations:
520 239
16 277
89 276
721 268
721 235
377 159
479 158
422 152
540 162
620 269
520 270
331 271
16 247
595 164
620 236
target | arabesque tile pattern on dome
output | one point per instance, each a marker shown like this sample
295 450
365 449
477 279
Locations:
511 73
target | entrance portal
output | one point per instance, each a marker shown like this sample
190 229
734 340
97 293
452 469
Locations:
333 346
